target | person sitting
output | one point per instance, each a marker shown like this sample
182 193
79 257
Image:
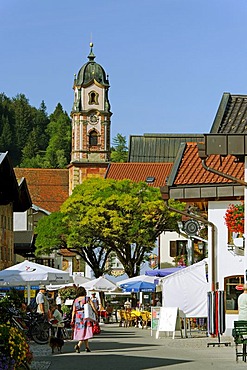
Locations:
57 320
127 305
109 310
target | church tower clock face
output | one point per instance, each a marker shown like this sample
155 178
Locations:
91 119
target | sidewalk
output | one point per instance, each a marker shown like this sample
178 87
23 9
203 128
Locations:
119 348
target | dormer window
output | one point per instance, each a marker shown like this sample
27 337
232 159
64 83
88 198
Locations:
93 98
150 180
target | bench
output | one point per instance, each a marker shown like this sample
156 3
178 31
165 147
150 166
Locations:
239 334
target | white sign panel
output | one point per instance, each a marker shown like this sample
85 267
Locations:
168 318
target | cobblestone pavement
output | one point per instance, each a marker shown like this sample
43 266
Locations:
118 348
41 354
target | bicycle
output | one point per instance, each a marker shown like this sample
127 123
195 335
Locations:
63 329
33 325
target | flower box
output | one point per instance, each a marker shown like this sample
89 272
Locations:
234 218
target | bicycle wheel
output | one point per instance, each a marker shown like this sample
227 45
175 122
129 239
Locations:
40 332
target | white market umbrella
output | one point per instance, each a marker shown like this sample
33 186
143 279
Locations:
28 273
78 281
100 284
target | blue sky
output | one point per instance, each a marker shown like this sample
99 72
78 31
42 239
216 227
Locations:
169 61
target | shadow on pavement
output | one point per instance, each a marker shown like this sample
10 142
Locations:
111 362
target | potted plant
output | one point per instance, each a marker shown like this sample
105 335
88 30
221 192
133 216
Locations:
234 218
14 349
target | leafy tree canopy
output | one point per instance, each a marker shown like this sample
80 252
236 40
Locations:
32 138
119 150
51 234
123 216
102 217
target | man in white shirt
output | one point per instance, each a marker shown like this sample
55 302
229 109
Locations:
42 301
58 299
242 305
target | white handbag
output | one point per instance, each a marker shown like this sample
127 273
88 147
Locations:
88 312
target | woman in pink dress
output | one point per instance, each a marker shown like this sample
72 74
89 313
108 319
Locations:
83 328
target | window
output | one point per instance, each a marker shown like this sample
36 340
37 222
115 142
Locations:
93 98
93 138
178 248
150 179
231 293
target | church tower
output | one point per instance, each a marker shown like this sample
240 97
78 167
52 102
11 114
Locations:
91 122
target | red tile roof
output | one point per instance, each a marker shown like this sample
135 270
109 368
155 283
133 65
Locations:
49 188
191 171
140 171
66 252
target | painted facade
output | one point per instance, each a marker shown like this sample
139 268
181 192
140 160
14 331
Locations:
91 122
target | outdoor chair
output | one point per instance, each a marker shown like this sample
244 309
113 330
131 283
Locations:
136 317
126 318
239 334
145 317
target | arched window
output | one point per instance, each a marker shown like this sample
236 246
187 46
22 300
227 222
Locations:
93 138
93 97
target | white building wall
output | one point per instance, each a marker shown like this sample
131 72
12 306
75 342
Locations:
227 263
165 239
20 221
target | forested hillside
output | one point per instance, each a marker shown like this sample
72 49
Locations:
31 137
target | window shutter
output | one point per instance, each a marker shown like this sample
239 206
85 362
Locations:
173 248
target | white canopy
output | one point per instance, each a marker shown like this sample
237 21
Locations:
78 281
100 284
187 289
29 273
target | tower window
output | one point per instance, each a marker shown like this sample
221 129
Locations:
93 138
93 98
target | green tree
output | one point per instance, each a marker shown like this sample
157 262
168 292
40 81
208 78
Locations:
120 216
7 142
41 121
59 130
107 216
50 234
119 150
6 138
23 121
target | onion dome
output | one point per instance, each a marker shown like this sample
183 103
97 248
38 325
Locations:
91 71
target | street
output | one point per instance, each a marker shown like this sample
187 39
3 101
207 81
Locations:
135 349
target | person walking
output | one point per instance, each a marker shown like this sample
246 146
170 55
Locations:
242 305
83 328
95 301
42 301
